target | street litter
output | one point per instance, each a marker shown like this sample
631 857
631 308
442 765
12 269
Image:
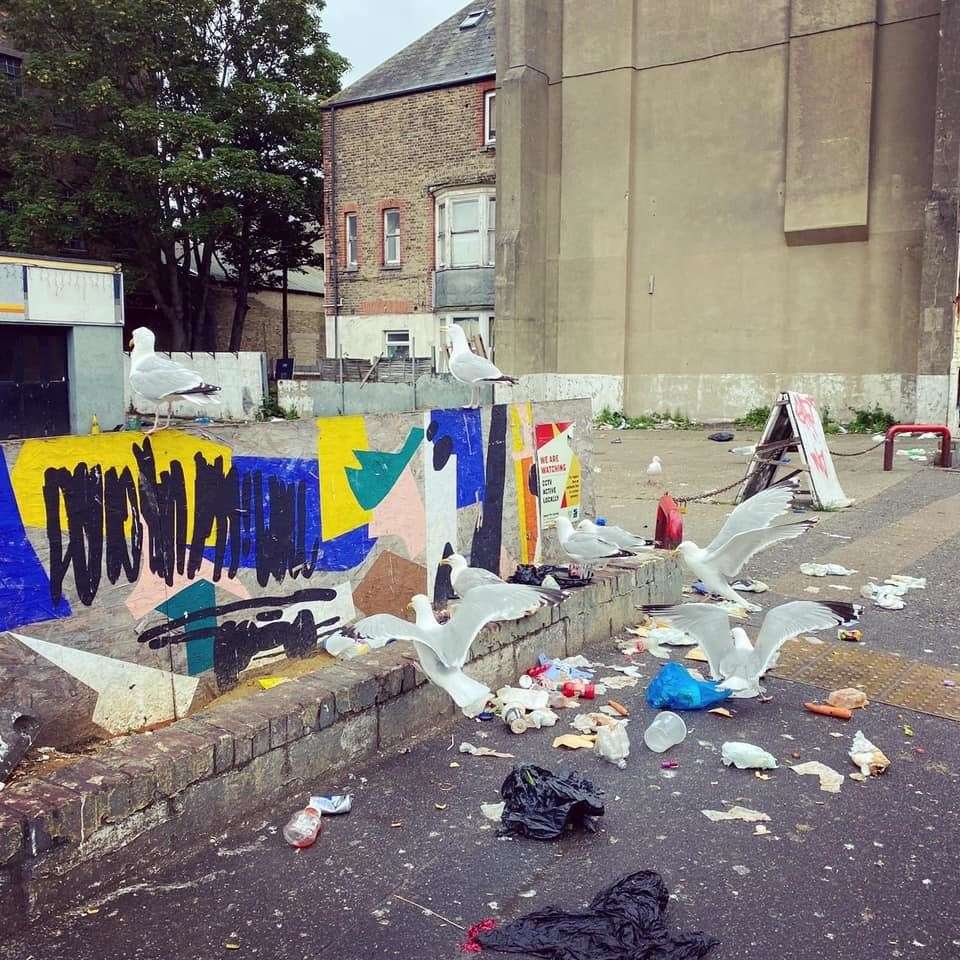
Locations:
736 813
871 760
575 741
761 776
541 805
613 744
672 764
619 707
697 655
883 596
483 751
721 712
761 831
745 451
268 683
825 570
303 828
824 710
850 636
333 805
830 780
721 436
618 683
492 811
624 921
673 688
849 697
750 586
592 722
907 730
747 756
667 730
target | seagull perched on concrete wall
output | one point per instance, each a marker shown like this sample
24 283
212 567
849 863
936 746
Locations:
469 368
465 578
162 380
624 539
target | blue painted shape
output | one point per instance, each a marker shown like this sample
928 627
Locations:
200 595
341 553
24 584
465 432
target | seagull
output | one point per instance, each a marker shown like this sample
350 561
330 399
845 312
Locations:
586 549
468 368
733 659
622 538
466 578
161 380
443 648
654 469
745 533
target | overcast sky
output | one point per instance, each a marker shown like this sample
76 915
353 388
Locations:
367 32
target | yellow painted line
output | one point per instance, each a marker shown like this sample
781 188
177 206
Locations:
78 266
12 308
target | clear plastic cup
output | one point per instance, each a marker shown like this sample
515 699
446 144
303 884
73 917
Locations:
666 731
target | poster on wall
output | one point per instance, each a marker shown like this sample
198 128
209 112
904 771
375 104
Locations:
558 468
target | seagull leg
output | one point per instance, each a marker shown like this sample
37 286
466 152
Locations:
156 420
169 414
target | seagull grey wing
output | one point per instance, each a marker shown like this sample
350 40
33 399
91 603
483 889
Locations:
759 511
588 546
474 577
730 557
624 538
791 619
381 628
707 624
156 377
474 369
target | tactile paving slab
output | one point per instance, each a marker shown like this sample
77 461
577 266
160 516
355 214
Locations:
884 677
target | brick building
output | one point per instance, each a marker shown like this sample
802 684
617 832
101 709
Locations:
409 160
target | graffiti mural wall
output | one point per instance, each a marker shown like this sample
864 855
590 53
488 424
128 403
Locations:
141 575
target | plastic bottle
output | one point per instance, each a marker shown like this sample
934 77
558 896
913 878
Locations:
579 688
303 828
94 425
513 717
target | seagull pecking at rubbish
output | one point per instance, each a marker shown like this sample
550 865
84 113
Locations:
654 469
733 659
745 533
465 578
587 550
443 648
471 369
162 380
624 539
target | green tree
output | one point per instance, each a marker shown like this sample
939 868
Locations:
158 132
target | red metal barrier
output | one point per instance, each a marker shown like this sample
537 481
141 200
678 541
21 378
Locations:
946 454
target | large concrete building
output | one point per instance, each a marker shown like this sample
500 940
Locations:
701 204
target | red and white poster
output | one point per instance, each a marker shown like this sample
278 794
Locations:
558 472
813 447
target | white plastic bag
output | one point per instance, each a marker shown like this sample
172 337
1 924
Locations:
613 744
747 756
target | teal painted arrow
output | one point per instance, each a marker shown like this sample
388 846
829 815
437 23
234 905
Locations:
379 471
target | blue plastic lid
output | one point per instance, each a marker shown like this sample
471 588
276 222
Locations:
601 521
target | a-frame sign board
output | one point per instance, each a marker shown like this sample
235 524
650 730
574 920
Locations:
795 426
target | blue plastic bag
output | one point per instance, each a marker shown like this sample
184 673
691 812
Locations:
674 689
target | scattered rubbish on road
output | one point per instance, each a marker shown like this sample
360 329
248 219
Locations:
541 805
303 828
825 710
761 776
620 682
745 451
527 894
825 570
332 806
721 436
721 712
439 806
492 811
949 683
761 831
889 594
736 813
268 683
592 722
575 741
613 744
671 764
232 943
747 756
830 780
907 730
866 755
750 586
471 944
623 922
667 730
850 636
619 707
849 698
483 751
513 717
674 688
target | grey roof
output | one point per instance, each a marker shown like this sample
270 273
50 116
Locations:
445 56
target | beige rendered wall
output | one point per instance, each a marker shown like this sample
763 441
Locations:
717 168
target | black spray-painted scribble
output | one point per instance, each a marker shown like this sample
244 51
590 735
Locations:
110 513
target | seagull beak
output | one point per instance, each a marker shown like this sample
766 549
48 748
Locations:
409 606
130 344
445 562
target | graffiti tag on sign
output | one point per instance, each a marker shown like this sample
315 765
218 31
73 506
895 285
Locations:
558 469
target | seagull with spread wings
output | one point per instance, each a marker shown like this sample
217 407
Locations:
162 380
443 648
469 368
747 530
733 659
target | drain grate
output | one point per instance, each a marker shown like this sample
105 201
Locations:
884 677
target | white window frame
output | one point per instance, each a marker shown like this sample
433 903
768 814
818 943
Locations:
352 243
489 135
388 236
387 342
486 225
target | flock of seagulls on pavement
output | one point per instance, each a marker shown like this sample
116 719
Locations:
444 647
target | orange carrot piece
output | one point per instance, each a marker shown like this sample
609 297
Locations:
619 707
841 713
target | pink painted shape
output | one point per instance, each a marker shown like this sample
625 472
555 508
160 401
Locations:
152 590
508 566
401 514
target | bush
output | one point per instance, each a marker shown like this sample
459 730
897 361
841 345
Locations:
876 420
755 419
647 421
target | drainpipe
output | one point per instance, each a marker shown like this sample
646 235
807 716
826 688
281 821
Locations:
335 225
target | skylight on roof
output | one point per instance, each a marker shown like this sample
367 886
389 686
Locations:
472 19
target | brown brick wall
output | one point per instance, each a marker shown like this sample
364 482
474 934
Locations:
391 153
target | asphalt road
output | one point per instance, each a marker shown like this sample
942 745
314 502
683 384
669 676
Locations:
870 872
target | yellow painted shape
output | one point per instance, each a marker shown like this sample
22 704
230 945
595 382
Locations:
526 525
12 308
572 496
109 450
337 439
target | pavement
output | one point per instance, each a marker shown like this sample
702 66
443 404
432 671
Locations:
866 873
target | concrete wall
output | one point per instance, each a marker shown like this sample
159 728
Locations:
142 574
97 377
242 378
742 195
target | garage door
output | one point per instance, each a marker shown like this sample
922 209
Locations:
33 382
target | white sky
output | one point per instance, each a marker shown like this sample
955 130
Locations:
367 32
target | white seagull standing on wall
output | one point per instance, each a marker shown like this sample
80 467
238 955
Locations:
469 368
161 380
